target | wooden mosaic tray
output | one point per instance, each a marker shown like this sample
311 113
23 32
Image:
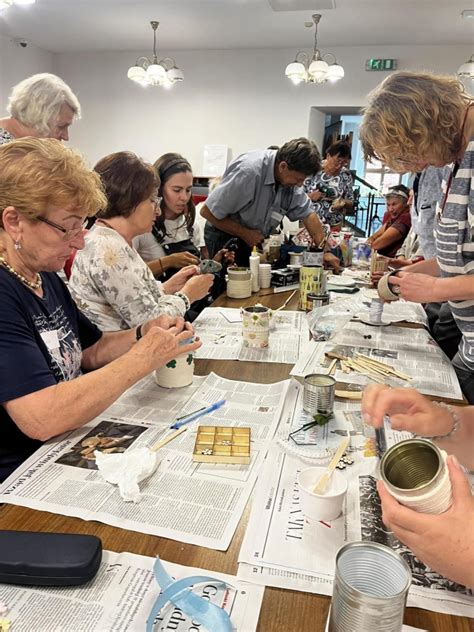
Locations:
220 444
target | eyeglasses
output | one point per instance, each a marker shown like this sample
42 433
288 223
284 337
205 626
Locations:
68 233
156 201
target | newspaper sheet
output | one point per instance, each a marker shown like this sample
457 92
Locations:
197 503
120 598
220 331
411 351
282 548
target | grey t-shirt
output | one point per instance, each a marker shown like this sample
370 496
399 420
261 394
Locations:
249 195
423 217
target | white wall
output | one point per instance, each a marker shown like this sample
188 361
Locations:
239 98
17 63
316 126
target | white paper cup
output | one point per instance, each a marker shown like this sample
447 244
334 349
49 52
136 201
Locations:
327 506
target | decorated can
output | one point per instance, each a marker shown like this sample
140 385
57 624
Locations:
311 282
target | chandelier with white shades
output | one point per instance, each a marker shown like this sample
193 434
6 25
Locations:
314 69
155 73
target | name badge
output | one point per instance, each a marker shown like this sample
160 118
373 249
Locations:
50 339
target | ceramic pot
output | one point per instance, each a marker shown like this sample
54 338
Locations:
177 373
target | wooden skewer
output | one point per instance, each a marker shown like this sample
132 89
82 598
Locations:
286 302
321 485
169 438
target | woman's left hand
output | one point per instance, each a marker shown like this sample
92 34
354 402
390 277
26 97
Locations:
226 256
441 541
179 279
418 288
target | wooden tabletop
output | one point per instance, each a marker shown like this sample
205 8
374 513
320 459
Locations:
282 610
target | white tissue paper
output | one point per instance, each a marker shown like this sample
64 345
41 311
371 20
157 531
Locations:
127 470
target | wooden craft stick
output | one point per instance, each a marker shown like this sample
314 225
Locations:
356 395
286 302
336 356
169 438
403 376
332 367
321 485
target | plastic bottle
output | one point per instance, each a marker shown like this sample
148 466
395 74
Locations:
254 261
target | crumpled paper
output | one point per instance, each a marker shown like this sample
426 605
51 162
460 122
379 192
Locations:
127 470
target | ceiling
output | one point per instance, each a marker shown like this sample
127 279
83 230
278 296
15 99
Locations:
119 25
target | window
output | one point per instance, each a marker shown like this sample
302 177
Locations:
380 176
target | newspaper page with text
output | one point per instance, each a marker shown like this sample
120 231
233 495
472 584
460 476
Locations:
196 503
120 598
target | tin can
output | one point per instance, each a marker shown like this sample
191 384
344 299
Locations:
370 590
415 473
318 393
316 300
311 280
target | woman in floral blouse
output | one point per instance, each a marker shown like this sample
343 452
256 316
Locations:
109 280
330 189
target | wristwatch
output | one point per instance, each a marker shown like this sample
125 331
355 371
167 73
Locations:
138 332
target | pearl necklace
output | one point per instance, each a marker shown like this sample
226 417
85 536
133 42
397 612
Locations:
33 285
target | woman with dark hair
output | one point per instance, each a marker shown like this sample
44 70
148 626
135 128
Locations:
396 222
175 232
330 190
111 282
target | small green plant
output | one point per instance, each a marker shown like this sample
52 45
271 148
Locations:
322 418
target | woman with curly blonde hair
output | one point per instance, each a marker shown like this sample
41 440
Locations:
413 120
57 370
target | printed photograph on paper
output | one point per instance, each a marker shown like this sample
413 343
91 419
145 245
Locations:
107 437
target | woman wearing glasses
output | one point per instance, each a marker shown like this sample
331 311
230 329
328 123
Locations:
331 189
57 370
109 280
417 119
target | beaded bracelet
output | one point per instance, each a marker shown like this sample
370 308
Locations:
456 421
184 298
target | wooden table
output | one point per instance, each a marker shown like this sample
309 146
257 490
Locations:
282 610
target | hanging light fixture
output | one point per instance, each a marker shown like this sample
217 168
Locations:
314 69
155 73
466 70
4 4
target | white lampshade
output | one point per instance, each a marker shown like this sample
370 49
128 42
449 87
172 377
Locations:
466 70
335 73
137 73
4 4
25 1
296 72
318 70
175 74
155 71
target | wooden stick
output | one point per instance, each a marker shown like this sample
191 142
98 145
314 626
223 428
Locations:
403 376
332 367
356 395
286 302
321 485
169 438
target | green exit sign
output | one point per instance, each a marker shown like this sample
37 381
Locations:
381 64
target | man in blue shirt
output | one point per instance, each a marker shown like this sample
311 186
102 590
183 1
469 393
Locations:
257 190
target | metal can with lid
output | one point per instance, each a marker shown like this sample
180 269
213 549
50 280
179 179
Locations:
314 301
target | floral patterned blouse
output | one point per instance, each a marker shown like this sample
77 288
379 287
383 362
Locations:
114 287
5 137
334 186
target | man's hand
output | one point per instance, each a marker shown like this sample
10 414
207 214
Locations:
332 261
252 237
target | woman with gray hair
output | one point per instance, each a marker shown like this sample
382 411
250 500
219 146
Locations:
42 106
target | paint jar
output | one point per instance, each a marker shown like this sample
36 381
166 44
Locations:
370 589
239 284
415 473
313 301
327 506
318 393
311 282
256 326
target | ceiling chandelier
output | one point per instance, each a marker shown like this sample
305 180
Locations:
314 69
466 70
4 4
155 73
